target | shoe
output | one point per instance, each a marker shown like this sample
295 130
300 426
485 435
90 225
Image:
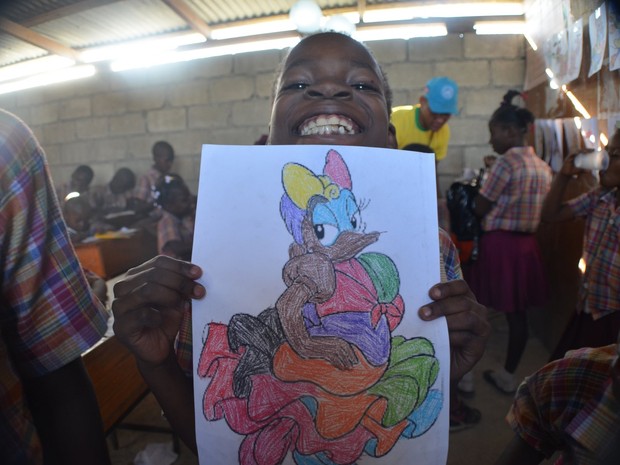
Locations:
504 384
466 385
463 417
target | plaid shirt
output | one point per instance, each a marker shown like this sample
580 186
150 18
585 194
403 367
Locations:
517 184
450 271
48 315
146 184
569 405
172 228
600 286
111 202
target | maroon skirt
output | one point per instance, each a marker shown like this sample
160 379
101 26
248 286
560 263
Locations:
508 275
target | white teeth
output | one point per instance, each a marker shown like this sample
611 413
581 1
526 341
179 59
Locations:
323 125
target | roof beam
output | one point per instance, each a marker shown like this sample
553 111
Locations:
66 10
37 39
185 11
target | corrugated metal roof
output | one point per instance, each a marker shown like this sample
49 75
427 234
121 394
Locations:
116 22
78 24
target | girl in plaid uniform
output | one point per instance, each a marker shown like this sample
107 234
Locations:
508 275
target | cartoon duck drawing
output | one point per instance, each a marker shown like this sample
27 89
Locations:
320 375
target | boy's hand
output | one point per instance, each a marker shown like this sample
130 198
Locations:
468 327
569 168
149 303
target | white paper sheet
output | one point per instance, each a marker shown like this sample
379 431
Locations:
575 50
242 244
598 39
613 28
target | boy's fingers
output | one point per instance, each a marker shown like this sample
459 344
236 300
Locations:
168 263
181 282
449 289
148 295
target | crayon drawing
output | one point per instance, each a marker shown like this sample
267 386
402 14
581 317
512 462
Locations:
321 374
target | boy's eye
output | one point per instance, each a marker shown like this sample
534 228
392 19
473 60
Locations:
364 86
295 86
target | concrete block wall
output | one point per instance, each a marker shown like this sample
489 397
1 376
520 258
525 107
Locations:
112 119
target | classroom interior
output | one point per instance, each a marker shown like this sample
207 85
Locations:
111 120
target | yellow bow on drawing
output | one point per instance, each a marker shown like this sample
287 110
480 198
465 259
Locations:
301 184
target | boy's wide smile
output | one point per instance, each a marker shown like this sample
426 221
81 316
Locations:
328 124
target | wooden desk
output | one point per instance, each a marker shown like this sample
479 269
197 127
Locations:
118 384
111 257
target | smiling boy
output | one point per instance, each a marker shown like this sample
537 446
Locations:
331 90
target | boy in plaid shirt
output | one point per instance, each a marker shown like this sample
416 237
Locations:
570 405
48 317
597 319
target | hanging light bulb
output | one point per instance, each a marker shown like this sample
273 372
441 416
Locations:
340 23
306 15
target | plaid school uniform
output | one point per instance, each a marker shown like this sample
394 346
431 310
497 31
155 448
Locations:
517 183
508 275
569 405
598 294
48 315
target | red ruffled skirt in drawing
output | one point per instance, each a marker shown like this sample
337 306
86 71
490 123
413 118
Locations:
285 413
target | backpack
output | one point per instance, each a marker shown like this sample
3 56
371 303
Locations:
464 225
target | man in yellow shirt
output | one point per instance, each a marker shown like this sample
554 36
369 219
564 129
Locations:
425 123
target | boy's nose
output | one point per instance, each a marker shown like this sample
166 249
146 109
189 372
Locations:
328 91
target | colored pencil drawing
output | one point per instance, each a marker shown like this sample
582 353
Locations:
322 375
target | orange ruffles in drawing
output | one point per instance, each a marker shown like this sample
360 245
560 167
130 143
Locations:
290 412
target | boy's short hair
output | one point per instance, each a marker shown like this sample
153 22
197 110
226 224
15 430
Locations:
78 204
85 170
418 148
161 147
384 79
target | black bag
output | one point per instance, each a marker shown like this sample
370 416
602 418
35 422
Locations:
464 225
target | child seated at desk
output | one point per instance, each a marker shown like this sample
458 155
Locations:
77 212
175 229
78 216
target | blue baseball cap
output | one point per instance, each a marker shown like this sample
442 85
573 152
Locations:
442 95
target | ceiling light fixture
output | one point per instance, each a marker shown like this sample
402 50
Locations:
499 27
52 77
205 52
253 29
340 23
451 10
140 48
307 16
370 33
35 66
